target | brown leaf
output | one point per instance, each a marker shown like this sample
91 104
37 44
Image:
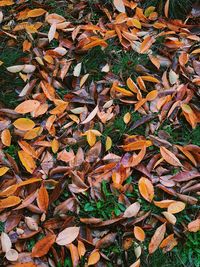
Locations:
169 157
132 210
157 238
42 247
43 199
67 236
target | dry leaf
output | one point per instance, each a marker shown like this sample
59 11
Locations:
157 238
67 236
132 210
146 189
176 207
169 157
139 233
93 258
42 247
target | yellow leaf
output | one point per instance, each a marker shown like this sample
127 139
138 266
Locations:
135 22
55 145
3 170
108 143
24 124
127 117
27 161
91 138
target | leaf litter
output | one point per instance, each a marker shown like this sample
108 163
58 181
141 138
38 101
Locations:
68 184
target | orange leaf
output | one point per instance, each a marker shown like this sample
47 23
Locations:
9 202
152 95
149 78
137 145
81 249
6 3
48 90
194 226
26 46
122 90
3 170
166 8
139 233
93 258
132 86
6 137
163 204
157 238
42 247
27 161
43 199
146 44
146 189
24 124
155 61
136 264
27 106
36 12
168 243
74 254
169 157
176 207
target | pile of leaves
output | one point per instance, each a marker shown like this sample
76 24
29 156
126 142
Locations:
97 160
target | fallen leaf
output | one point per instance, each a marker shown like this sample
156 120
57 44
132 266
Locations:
146 189
6 137
24 124
157 238
132 210
169 157
93 258
9 202
176 207
67 236
27 106
139 233
43 199
42 247
119 5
